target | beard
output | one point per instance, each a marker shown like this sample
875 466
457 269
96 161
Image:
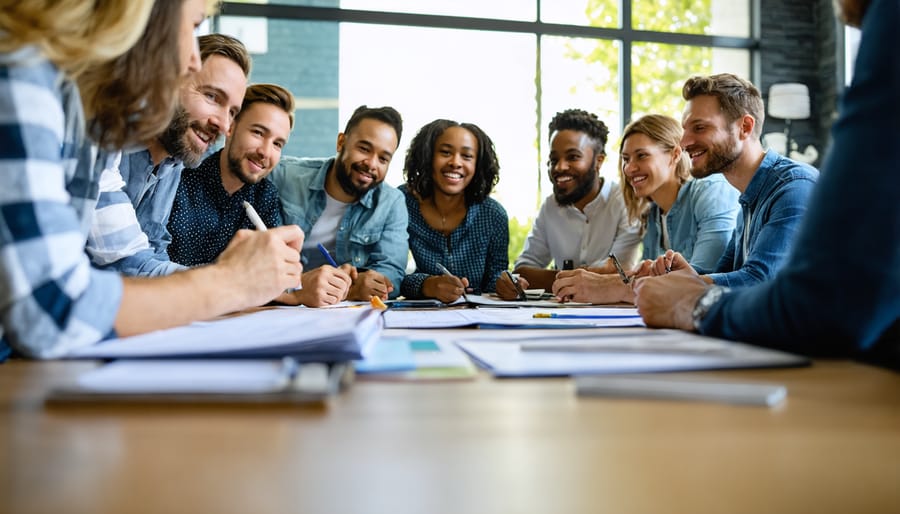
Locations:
719 157
584 185
175 141
343 177
234 167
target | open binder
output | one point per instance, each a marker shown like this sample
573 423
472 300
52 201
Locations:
308 335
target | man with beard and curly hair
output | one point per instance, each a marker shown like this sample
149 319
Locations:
129 232
342 203
585 220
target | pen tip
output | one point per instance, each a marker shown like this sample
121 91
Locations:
542 315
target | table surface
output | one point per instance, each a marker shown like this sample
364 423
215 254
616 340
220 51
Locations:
483 445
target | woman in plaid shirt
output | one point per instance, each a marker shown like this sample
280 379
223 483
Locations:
51 300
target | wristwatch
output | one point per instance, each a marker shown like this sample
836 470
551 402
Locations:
709 298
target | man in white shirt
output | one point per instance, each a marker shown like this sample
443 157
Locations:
584 221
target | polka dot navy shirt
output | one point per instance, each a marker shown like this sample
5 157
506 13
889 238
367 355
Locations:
204 217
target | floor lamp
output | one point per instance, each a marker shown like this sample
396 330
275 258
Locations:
789 101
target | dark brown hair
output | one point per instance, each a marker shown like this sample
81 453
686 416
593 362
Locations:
271 94
736 96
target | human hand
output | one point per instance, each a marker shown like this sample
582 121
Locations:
667 301
669 262
581 285
262 264
325 285
370 283
446 288
506 290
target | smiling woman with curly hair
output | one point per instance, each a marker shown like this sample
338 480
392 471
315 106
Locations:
458 235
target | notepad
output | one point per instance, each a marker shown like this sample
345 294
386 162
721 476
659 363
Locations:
678 388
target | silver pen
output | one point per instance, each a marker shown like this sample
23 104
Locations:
625 278
445 271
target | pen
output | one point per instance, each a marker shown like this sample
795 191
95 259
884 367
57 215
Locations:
327 255
519 292
445 271
258 223
253 217
584 316
618 266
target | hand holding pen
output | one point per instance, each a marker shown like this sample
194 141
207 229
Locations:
508 287
265 261
669 262
458 286
625 278
260 226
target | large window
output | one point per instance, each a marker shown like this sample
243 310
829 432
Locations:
506 65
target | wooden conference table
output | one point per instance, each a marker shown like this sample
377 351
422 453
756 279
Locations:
480 446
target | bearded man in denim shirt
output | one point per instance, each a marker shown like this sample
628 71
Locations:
722 124
342 204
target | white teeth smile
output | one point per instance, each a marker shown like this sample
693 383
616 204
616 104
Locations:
454 176
563 178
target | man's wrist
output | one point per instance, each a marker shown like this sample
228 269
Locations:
705 302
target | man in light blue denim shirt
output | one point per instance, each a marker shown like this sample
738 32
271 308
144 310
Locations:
342 204
129 233
722 124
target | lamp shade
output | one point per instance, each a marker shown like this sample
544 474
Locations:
789 101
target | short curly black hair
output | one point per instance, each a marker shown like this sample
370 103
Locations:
581 121
417 169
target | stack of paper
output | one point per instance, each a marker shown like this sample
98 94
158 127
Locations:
323 335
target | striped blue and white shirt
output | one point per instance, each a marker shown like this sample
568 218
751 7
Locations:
51 300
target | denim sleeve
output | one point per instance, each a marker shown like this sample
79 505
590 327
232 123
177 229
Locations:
838 293
769 250
715 209
390 253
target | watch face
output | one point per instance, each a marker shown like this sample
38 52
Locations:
705 302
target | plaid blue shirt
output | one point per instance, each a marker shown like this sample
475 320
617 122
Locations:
51 300
476 249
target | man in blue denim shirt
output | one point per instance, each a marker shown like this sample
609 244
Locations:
342 204
722 125
839 293
129 232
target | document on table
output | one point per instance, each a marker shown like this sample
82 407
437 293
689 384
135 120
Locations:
328 335
421 358
636 351
492 300
519 318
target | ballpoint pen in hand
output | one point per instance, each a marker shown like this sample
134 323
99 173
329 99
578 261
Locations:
258 223
520 294
254 217
327 255
445 271
625 278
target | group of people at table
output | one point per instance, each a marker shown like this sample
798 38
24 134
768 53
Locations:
118 216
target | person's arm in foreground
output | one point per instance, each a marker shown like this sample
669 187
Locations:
831 298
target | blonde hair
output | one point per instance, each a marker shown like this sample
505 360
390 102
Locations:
666 132
74 34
